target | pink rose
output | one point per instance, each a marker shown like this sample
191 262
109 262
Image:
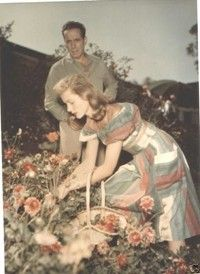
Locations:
19 190
32 206
134 237
146 204
148 234
122 261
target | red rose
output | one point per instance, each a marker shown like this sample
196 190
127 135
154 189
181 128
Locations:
122 261
56 247
27 166
9 153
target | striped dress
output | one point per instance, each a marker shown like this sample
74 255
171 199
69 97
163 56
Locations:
158 169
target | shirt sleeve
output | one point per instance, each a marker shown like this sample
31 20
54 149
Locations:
109 82
51 101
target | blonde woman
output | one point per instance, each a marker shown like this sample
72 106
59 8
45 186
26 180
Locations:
158 167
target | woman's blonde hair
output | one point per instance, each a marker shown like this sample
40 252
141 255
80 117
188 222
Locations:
79 85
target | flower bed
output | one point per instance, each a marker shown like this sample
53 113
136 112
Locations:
41 235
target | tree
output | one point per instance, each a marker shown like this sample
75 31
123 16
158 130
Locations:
121 67
6 31
192 48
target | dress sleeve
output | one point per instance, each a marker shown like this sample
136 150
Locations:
122 126
87 133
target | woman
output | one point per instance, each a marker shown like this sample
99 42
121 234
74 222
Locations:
158 167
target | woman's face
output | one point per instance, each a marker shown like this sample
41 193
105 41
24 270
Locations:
75 104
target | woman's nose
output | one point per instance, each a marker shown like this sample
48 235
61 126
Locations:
69 108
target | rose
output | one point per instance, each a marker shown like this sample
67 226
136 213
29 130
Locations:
52 136
112 218
134 237
181 265
27 166
146 204
32 206
19 190
103 248
47 241
56 159
148 235
121 261
56 247
9 153
109 223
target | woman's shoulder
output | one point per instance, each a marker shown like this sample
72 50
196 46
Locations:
116 114
122 110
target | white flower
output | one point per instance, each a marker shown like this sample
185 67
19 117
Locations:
45 238
19 132
38 156
30 174
64 162
49 200
78 249
48 168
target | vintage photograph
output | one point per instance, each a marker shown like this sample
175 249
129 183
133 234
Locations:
100 137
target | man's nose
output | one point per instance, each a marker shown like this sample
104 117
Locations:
73 44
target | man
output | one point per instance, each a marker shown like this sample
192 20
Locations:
93 68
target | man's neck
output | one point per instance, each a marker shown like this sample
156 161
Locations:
83 60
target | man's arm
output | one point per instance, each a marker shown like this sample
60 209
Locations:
51 102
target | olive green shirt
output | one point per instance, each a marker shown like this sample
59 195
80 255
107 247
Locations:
96 71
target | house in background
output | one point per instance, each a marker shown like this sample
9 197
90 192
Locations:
23 74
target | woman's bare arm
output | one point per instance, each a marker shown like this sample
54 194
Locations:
107 168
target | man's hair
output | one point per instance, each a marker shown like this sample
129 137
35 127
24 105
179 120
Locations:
74 25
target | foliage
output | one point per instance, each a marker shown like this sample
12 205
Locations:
192 48
41 235
120 68
6 31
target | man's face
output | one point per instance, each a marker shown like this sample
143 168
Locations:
75 43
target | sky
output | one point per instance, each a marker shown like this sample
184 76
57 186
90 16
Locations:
155 33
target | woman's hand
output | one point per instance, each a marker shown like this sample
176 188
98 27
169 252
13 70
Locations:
63 190
76 180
